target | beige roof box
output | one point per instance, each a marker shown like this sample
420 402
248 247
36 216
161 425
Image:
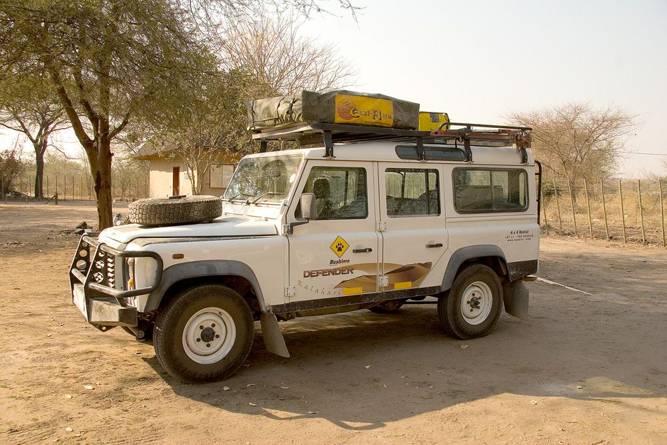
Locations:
335 107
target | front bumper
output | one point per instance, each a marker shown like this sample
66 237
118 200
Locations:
97 276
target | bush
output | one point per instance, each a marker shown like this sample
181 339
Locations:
11 167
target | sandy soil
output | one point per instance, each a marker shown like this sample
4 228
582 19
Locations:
583 369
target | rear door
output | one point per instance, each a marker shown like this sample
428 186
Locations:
412 225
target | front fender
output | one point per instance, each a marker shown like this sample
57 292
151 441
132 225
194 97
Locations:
196 269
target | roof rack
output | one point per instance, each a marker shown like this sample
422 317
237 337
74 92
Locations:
308 134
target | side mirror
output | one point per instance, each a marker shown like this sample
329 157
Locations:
307 203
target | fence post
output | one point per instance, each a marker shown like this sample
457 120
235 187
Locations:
641 209
560 221
662 215
2 186
588 206
56 195
604 208
620 193
574 214
544 210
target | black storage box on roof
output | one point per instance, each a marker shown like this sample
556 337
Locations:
335 107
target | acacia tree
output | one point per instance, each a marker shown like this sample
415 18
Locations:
29 106
112 61
212 122
576 140
279 59
261 56
109 61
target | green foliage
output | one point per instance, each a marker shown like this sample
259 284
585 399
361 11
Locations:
11 167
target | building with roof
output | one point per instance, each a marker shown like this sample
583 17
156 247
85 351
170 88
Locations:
168 173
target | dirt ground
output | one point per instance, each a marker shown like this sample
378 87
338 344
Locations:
582 369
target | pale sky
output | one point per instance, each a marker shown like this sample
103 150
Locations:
481 60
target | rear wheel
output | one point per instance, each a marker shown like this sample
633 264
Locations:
205 334
472 306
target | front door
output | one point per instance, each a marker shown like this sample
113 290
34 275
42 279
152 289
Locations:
413 230
335 254
175 181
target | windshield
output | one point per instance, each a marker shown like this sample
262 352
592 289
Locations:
265 179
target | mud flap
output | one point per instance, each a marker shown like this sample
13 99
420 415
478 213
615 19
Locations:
516 299
273 337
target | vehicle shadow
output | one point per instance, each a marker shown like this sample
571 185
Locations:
362 370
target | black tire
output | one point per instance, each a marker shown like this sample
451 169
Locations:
388 307
172 320
449 305
183 210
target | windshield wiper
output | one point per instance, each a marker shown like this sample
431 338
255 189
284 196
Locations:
261 196
235 196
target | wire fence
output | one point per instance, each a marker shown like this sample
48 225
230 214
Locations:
71 187
612 209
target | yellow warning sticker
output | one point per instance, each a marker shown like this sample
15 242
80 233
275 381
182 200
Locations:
339 246
403 285
353 290
364 110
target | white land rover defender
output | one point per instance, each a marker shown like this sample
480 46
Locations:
361 217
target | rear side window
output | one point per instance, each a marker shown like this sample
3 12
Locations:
412 192
479 190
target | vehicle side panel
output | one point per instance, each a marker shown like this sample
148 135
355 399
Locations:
264 256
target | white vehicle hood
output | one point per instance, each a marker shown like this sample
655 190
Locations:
224 226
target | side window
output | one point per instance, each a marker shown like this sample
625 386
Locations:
490 190
340 192
412 192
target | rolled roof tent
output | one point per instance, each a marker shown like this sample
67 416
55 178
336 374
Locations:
311 118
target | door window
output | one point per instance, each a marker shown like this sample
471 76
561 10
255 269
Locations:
340 193
412 192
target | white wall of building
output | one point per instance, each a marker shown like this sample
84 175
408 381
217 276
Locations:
161 179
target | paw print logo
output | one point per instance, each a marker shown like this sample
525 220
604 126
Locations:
339 246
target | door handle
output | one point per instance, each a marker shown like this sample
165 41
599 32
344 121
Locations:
433 245
364 250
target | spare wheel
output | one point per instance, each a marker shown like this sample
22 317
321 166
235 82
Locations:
175 210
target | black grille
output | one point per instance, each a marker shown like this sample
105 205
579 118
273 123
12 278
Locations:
103 269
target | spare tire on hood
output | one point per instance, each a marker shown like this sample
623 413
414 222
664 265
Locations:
175 210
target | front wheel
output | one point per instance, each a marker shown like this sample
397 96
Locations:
205 334
473 304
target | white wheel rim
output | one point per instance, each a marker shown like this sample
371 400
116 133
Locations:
476 302
209 335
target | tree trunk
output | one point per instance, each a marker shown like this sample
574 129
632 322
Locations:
101 171
39 174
